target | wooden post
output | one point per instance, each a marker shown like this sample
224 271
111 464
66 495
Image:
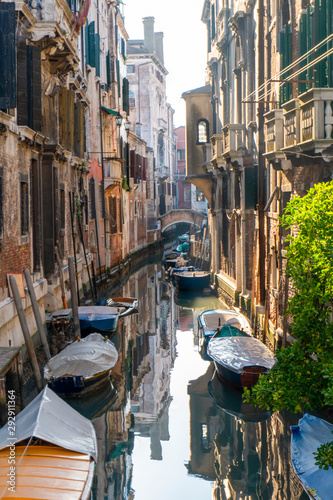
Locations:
267 308
62 285
26 334
39 323
75 308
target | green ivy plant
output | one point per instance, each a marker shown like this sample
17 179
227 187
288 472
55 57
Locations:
302 378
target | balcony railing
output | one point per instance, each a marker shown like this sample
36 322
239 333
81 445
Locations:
274 131
307 124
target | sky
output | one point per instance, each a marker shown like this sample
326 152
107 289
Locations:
185 43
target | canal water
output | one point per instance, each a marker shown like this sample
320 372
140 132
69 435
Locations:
166 428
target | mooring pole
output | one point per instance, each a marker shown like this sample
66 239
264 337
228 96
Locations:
75 308
26 334
39 323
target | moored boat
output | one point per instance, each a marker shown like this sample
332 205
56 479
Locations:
222 322
306 437
101 319
240 360
192 280
126 305
81 367
54 452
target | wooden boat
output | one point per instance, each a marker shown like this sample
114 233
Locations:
126 305
82 367
240 360
54 452
101 319
213 321
230 399
306 437
182 269
188 280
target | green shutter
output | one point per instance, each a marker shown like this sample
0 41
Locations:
86 39
126 95
302 49
118 78
285 51
108 69
320 26
97 54
91 44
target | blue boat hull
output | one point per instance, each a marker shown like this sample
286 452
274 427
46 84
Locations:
192 282
103 326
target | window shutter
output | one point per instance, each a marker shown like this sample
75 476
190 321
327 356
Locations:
132 162
91 44
108 69
118 78
7 56
34 82
63 117
70 120
126 95
92 197
97 54
1 201
302 49
86 42
22 84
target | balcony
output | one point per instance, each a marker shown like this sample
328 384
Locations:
233 144
274 136
217 158
54 29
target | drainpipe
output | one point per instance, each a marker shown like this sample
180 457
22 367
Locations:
261 149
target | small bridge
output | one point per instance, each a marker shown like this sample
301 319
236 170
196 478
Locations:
180 216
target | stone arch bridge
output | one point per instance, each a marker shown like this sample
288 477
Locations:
179 216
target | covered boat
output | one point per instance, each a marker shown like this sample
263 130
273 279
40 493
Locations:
54 450
192 280
101 319
214 320
82 366
240 360
306 437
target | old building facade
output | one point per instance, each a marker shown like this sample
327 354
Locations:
75 178
263 134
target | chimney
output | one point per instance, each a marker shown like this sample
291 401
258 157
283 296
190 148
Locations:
159 46
149 40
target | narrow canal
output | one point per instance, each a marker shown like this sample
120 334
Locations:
166 428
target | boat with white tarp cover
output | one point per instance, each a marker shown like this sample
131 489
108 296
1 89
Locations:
82 366
55 452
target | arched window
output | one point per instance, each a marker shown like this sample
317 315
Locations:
202 131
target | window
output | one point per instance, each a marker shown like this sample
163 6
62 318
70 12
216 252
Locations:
202 132
199 196
62 207
113 214
180 154
24 204
130 68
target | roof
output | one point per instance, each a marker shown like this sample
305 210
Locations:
200 90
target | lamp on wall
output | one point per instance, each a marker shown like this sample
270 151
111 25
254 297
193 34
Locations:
127 126
119 119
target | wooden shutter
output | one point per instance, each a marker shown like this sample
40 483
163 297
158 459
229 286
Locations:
108 69
118 78
91 44
63 116
22 85
97 54
34 58
79 129
92 198
126 96
70 120
86 43
7 56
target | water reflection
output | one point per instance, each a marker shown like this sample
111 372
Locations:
174 431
